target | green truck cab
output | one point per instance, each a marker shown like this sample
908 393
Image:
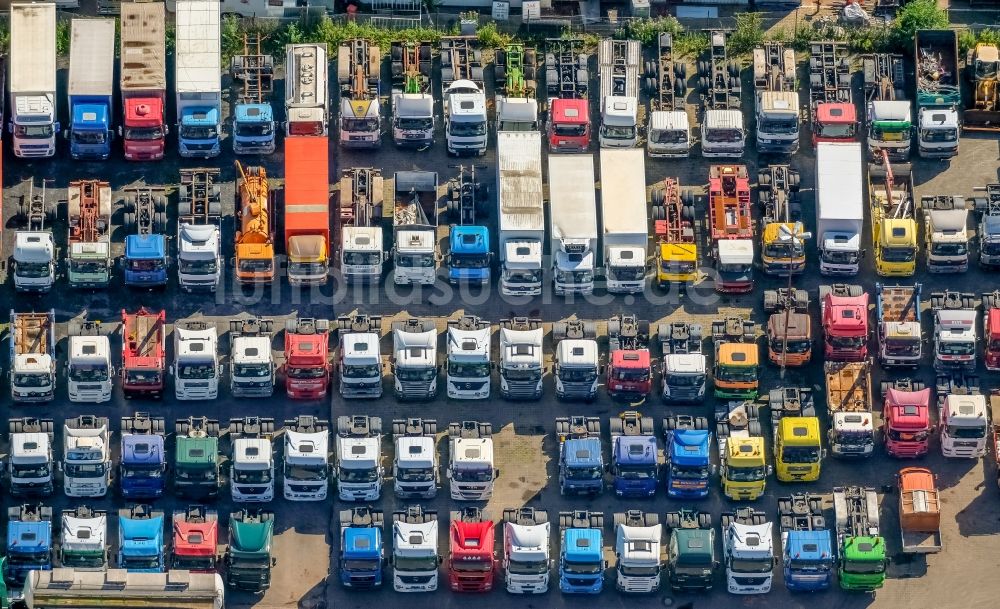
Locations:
248 557
196 470
862 559
691 550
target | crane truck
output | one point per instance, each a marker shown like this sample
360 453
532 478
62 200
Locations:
359 64
894 227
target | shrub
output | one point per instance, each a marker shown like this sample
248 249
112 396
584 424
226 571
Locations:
747 35
916 15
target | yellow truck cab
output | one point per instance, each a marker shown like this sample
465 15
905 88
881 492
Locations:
894 227
743 467
781 254
798 449
673 227
677 263
895 247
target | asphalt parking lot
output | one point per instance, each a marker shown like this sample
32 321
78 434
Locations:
306 540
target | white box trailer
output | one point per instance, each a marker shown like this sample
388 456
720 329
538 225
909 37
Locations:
520 211
573 222
840 206
624 219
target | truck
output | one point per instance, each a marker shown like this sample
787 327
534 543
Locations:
196 369
723 134
888 118
900 339
844 314
861 553
938 92
253 367
415 468
307 210
669 134
907 416
83 539
32 356
777 99
199 230
806 544
731 228
88 367
30 464
249 558
412 101
797 442
919 511
624 220
464 94
618 66
143 466
839 207
692 560
472 563
307 360
629 373
307 95
91 82
361 241
34 255
964 418
414 359
515 68
32 81
639 551
981 112
252 73
789 327
743 467
991 330
526 541
141 544
581 462
688 441
29 542
955 330
143 80
520 212
252 468
254 239
572 212
748 551
581 552
674 231
832 113
684 367
145 222
469 256
894 227
471 473
469 348
522 359
359 64
635 459
195 539
88 262
307 458
783 251
415 558
359 358
414 228
567 85
118 588
988 233
197 77
577 360
358 465
197 461
362 548
144 349
737 358
946 241
849 403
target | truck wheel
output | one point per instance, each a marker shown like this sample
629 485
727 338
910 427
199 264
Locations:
824 291
617 427
530 73
650 519
619 518
919 386
704 83
801 300
680 71
582 77
703 68
477 74
500 74
770 301
704 520
447 73
651 87
793 181
759 519
672 520
701 423
754 428
855 290
669 423
764 178
129 221
680 89
885 387
343 424
784 506
160 220
734 69
657 196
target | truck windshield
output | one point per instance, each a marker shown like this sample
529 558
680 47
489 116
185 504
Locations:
84 470
902 346
414 474
739 375
466 370
584 473
631 374
362 371
32 380
575 277
368 474
195 472
749 565
522 276
28 558
143 470
89 137
527 567
669 137
582 568
416 374
676 267
415 563
198 132
257 371
636 472
853 438
37 470
864 566
305 373
33 131
779 126
82 560
994 344
840 257
570 130
414 124
957 348
809 564
612 132
734 268
522 375
32 270
193 563
469 261
197 267
473 565
838 130
576 375
251 476
362 258
626 273
308 473
142 377
991 248
745 474
949 249
415 261
629 571
471 129
305 128
724 136
685 380
143 133
136 563
254 129
800 454
794 346
938 135
88 266
898 254
780 249
88 372
890 134
196 370
365 125
688 472
908 435
477 474
958 431
256 265
146 265
845 342
306 269
249 564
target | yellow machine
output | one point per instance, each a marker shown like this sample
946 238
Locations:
798 450
783 251
894 227
673 224
742 455
982 68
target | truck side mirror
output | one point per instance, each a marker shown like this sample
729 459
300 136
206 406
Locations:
770 470
274 561
447 473
120 132
65 134
10 127
170 370
496 474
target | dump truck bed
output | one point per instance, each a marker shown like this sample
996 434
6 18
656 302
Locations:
899 304
919 511
146 330
31 333
847 387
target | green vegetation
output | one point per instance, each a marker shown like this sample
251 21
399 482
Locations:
63 35
967 39
916 15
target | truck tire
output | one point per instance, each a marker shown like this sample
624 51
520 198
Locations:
343 424
734 69
734 83
657 196
672 520
129 221
614 327
855 290
721 430
680 89
759 519
619 518
651 519
754 428
824 291
500 75
885 387
701 423
160 221
530 72
793 181
589 330
764 178
703 68
477 74
669 423
447 73
616 426
704 83
726 519
680 71
801 301
784 506
704 520
375 425
559 330
582 77
651 86
770 301
424 52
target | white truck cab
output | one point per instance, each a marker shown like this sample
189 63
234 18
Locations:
30 464
196 366
359 356
88 368
964 423
638 552
522 359
669 135
307 459
34 261
748 547
415 559
199 256
359 458
855 429
415 470
723 134
468 352
252 459
253 366
527 536
86 464
414 359
471 471
465 118
83 539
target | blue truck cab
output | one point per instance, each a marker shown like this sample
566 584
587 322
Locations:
581 559
140 539
29 542
688 462
198 131
806 543
469 255
634 458
90 127
362 548
145 260
143 468
91 89
581 464
253 129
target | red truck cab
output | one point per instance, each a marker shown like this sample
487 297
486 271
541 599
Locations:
143 80
845 326
568 128
472 564
143 353
629 374
835 122
307 362
907 422
992 327
195 539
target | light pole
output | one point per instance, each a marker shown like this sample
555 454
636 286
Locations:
797 237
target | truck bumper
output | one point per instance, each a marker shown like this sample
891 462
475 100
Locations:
265 148
907 450
936 267
252 392
31 489
310 493
413 142
766 146
141 492
403 492
305 394
936 153
686 493
571 587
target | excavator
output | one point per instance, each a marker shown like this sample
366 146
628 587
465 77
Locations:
982 68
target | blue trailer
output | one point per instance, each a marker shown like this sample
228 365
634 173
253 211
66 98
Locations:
581 464
29 542
634 459
469 256
806 544
145 263
91 87
143 468
253 116
362 548
581 555
688 467
140 539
